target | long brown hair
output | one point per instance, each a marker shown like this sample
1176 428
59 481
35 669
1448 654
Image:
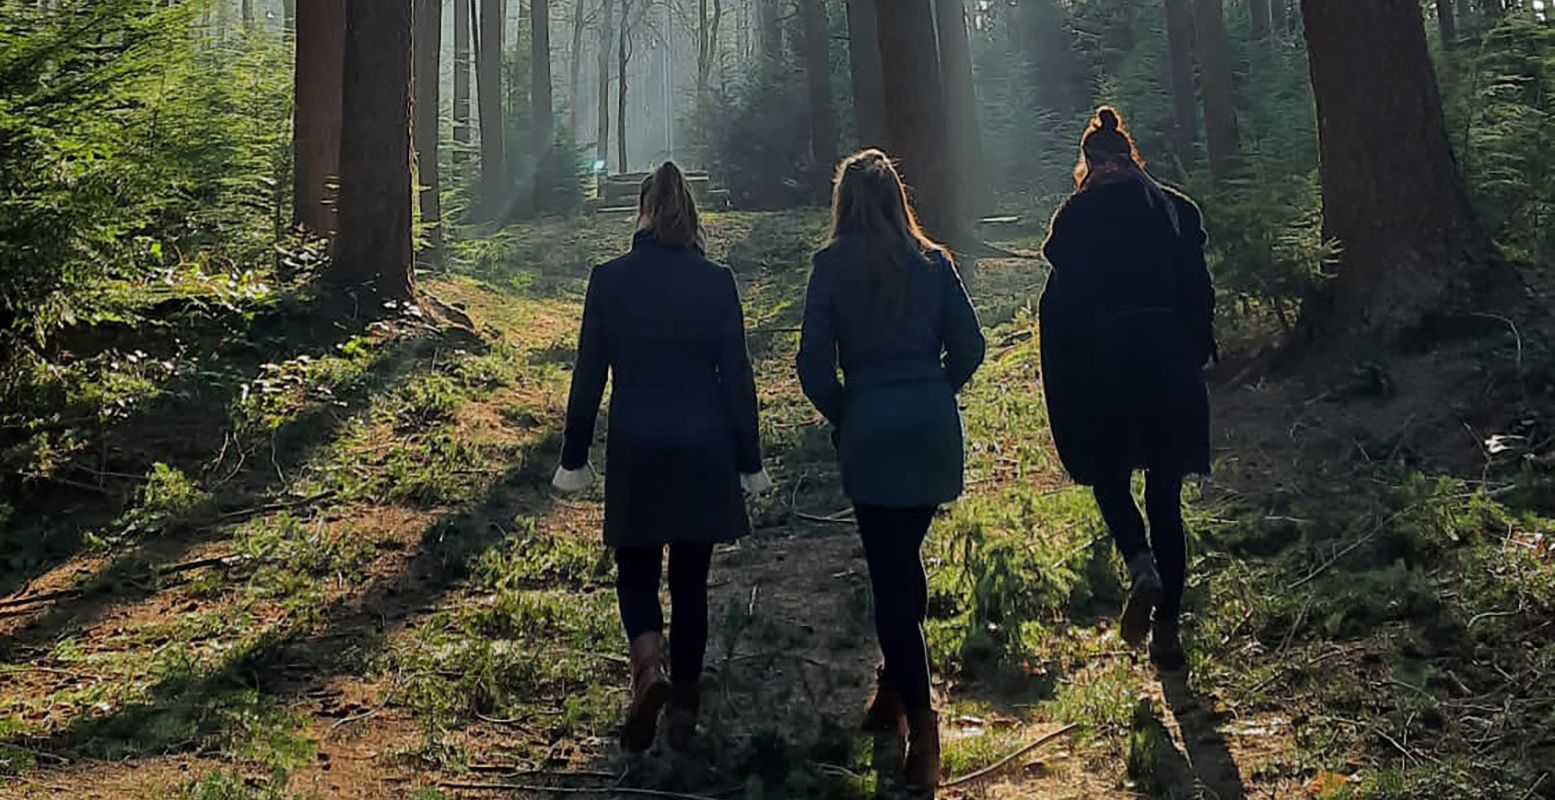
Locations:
869 200
667 210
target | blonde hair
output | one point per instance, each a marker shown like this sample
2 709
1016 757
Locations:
667 210
870 201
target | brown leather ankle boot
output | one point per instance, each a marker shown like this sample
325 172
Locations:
680 719
922 770
886 714
650 691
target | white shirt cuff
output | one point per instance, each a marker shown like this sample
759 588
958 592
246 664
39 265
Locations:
574 480
757 483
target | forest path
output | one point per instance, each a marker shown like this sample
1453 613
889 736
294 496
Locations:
404 608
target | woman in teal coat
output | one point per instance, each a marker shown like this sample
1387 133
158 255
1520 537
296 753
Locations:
887 306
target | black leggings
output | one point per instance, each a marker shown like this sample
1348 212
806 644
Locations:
893 541
1168 539
638 570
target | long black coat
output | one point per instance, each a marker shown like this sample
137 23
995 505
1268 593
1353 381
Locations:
1127 326
666 324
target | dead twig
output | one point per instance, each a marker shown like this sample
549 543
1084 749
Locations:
1352 547
1004 762
280 505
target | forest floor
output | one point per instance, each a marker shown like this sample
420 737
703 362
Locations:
255 547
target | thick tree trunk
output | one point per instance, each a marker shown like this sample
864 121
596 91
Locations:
1185 97
1220 125
1397 206
868 81
321 37
1449 25
769 30
488 77
463 10
374 244
606 39
961 108
915 113
823 126
541 100
428 47
1258 13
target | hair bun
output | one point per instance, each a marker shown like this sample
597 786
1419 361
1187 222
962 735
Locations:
1108 118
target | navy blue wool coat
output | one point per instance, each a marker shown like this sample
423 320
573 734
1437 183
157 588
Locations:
1128 323
898 428
665 324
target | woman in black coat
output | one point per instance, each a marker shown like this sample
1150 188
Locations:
1127 327
666 324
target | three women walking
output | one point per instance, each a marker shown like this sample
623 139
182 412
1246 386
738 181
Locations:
889 338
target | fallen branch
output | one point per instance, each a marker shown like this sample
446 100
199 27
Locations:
564 790
39 598
1352 547
1004 762
280 505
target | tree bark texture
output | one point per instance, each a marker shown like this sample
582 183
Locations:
374 243
321 37
1392 195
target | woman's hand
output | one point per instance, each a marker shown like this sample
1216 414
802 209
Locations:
572 481
757 483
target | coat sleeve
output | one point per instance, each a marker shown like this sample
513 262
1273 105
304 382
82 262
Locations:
817 360
588 380
1197 293
965 345
738 380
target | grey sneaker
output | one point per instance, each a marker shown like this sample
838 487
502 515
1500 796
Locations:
1145 593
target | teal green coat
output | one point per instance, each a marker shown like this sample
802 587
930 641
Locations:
898 429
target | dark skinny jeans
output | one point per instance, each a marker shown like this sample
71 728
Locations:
1167 540
638 572
893 544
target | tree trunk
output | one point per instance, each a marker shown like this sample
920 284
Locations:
463 10
1258 13
428 46
374 245
321 37
915 113
769 30
1185 97
247 7
289 19
623 55
1214 53
1397 207
1449 25
541 101
575 68
868 80
707 43
961 108
606 38
488 77
823 127
1279 17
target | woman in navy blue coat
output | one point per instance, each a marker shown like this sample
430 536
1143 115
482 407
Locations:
665 324
1128 323
887 306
